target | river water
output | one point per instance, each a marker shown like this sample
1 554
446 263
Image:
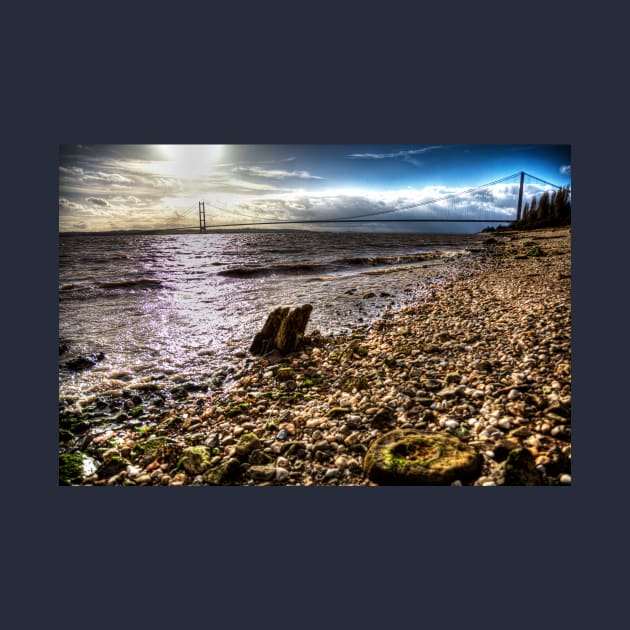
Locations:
176 308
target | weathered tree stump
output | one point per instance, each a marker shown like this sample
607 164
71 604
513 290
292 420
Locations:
283 330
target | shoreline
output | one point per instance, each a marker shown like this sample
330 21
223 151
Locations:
483 356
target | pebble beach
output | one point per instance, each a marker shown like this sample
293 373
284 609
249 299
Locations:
482 358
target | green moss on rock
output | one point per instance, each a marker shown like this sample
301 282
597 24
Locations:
195 459
225 473
410 457
70 468
247 443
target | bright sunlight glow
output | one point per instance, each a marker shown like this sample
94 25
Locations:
189 161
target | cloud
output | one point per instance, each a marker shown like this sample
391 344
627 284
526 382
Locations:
66 204
257 171
111 178
397 154
98 202
69 171
566 170
496 202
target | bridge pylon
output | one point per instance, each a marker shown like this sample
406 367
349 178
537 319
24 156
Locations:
202 217
520 197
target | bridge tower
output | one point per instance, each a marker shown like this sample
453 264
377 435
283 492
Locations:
202 217
520 198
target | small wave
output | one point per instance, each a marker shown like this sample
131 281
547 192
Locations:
385 260
141 283
285 269
73 286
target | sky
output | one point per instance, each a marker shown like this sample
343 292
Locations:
150 186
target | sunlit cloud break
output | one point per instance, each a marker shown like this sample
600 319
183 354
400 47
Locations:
257 171
566 170
396 154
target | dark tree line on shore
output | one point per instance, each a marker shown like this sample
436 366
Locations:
551 210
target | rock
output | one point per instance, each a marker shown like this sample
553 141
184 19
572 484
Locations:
223 473
448 392
70 468
283 330
285 373
112 467
520 469
263 473
410 457
383 417
247 443
83 362
296 449
259 457
557 463
195 459
502 449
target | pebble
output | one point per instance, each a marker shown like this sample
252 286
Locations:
513 394
282 474
565 479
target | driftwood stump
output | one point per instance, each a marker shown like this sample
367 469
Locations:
283 330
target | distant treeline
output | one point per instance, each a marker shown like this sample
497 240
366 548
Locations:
551 210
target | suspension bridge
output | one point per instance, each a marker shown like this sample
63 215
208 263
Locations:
500 201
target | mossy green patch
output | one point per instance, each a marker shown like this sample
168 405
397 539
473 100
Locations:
237 410
160 446
70 468
195 459
136 411
223 473
410 457
247 443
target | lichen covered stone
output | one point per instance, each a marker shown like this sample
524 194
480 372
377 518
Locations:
410 457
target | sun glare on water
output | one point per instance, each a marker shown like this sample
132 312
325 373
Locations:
189 161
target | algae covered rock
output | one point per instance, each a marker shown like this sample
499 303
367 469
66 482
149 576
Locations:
410 457
224 473
70 468
195 459
247 443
